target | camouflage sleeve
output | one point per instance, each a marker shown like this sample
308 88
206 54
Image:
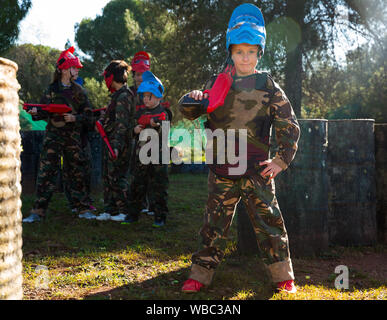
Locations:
124 123
86 115
287 130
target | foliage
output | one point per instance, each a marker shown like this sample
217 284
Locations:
97 93
11 13
356 90
36 69
116 34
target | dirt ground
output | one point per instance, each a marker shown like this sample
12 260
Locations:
367 268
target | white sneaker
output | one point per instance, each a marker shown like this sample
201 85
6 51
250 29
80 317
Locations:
87 215
144 210
150 213
118 217
104 216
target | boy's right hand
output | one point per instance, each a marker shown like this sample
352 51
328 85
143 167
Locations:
33 111
198 95
138 129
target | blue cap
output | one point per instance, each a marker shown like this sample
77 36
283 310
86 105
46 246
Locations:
246 25
150 83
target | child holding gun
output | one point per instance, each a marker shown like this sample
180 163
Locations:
68 111
117 128
150 115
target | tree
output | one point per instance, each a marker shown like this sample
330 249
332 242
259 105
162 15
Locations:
11 13
36 69
97 93
356 89
116 34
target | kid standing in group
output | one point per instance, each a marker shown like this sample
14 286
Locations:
254 103
141 63
118 123
63 138
152 115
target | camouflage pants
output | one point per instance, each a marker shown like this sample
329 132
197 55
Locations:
54 147
157 187
115 182
87 177
265 216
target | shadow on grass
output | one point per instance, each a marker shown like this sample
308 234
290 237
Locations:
238 278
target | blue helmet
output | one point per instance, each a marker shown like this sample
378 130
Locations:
246 25
150 83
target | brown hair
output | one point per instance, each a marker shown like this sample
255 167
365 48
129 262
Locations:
119 69
78 92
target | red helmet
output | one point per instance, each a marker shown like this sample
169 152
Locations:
140 62
67 60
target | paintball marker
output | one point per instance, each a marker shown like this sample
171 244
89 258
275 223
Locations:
145 119
192 108
51 108
98 112
105 138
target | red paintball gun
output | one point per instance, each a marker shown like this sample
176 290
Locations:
105 138
145 119
51 108
192 108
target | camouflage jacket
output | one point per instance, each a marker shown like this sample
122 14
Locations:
255 103
118 121
73 96
157 110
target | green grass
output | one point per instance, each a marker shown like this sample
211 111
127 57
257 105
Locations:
106 260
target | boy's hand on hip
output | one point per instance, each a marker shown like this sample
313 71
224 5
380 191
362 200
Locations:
272 169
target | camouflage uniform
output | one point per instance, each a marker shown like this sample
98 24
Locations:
63 139
155 174
118 123
255 103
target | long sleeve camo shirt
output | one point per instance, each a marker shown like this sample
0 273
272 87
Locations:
73 96
256 103
118 121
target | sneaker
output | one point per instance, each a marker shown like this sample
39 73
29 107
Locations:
192 286
87 215
33 217
129 220
159 223
145 210
150 213
103 216
74 210
287 286
118 217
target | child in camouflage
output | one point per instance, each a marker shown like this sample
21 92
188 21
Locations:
150 116
251 101
118 123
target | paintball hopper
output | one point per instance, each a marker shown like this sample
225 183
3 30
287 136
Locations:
191 108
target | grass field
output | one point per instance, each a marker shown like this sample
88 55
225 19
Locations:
69 258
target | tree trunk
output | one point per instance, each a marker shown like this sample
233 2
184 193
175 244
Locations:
293 69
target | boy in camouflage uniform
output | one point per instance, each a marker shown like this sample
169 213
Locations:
63 138
255 103
118 123
141 63
150 115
